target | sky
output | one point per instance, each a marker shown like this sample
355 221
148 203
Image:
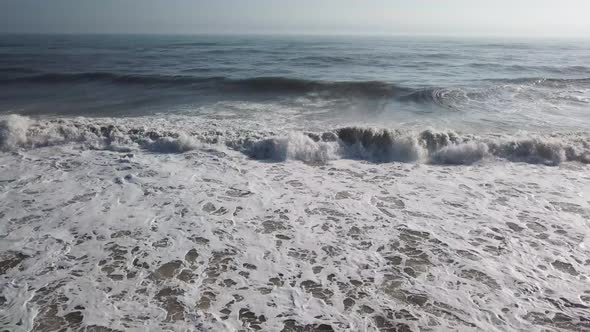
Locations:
542 18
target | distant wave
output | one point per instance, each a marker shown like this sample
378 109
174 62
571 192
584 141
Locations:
18 70
105 77
375 145
325 59
494 66
196 44
449 98
256 84
543 81
341 88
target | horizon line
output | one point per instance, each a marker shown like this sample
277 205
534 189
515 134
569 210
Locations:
292 34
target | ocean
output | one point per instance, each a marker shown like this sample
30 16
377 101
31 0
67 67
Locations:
294 183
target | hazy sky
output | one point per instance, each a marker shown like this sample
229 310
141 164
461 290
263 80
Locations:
439 17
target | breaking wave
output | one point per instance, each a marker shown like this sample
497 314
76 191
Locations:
18 132
297 146
374 145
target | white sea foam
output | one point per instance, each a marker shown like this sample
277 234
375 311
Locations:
184 233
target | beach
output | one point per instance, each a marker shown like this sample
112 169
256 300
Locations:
146 197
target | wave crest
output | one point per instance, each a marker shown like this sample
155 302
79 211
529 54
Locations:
297 146
371 144
380 145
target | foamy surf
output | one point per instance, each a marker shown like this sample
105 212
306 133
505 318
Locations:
191 224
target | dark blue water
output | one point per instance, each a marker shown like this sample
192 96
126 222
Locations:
496 83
